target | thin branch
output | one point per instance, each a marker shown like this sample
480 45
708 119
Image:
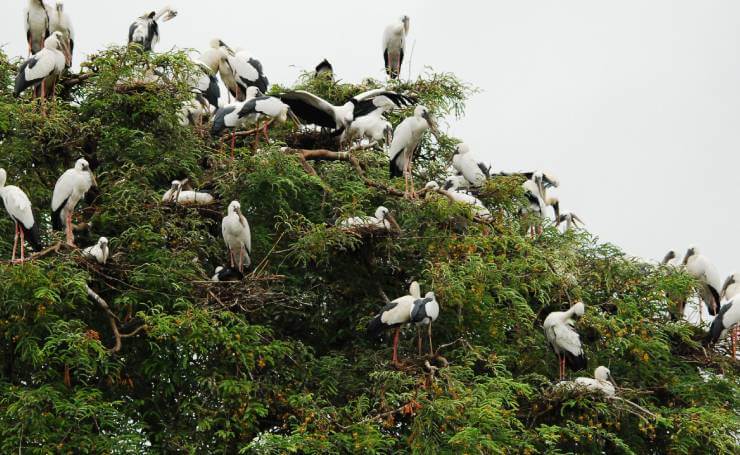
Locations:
112 319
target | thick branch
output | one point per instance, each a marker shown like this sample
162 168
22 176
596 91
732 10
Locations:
112 319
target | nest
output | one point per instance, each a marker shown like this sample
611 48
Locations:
312 140
249 296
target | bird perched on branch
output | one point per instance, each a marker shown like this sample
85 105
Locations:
59 22
479 209
99 252
392 316
239 71
406 140
145 29
237 236
182 193
394 46
19 209
70 188
324 69
465 163
726 321
703 270
382 220
424 313
42 70
563 338
37 25
535 189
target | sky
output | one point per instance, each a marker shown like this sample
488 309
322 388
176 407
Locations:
634 105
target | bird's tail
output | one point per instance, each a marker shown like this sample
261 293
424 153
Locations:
32 236
713 306
56 217
395 170
576 362
374 327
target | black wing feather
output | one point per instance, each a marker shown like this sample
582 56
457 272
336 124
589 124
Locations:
307 112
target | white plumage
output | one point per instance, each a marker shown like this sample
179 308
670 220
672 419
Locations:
239 71
373 127
99 252
731 287
42 69
570 219
70 188
464 162
59 22
180 193
563 338
145 29
602 382
406 139
479 209
382 220
237 236
239 114
699 266
18 206
36 24
394 46
727 318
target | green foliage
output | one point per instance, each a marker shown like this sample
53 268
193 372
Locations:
278 363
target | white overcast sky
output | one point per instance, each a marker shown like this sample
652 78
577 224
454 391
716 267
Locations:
633 104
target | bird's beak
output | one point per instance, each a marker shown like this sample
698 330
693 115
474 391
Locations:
169 16
575 218
294 117
394 224
94 180
541 188
611 379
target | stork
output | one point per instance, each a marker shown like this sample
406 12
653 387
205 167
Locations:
464 162
145 29
535 189
71 186
731 290
671 259
563 338
182 193
726 320
59 22
315 110
18 206
425 312
698 266
602 382
99 252
222 274
406 139
392 316
394 46
382 220
37 25
570 219
237 236
42 70
324 69
240 71
374 127
479 209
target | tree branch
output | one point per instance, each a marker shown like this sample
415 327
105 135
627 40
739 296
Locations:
112 319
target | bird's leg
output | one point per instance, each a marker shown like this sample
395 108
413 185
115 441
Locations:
264 132
395 345
23 247
256 143
15 241
231 257
431 348
70 236
43 97
418 338
241 258
733 335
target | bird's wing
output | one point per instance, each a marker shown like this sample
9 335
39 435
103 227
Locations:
39 66
248 240
243 69
401 139
18 205
371 100
62 189
567 339
28 25
310 108
269 105
133 32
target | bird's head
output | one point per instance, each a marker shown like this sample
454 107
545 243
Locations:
554 202
432 186
82 165
430 295
406 21
235 207
579 309
692 251
602 373
669 257
3 177
732 279
253 92
103 242
55 41
175 185
422 112
169 13
217 43
218 269
381 212
461 149
60 6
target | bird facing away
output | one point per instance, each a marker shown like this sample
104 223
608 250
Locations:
392 316
18 206
563 338
37 25
602 382
42 70
224 274
699 266
324 69
99 252
70 188
464 162
237 236
425 312
406 139
382 220
145 29
59 22
394 46
479 209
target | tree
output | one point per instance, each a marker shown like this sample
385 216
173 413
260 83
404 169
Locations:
145 354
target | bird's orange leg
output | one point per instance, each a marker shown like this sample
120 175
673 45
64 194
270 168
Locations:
15 241
23 246
733 336
431 348
70 235
395 345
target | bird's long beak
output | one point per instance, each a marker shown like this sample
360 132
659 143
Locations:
94 180
575 218
541 188
433 129
169 16
294 117
614 383
394 224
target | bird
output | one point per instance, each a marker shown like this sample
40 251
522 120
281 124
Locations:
42 70
324 69
464 162
698 266
425 312
237 236
382 220
238 114
728 318
71 186
671 259
18 206
145 29
59 22
406 139
602 382
394 46
456 182
182 193
37 25
374 127
99 251
240 71
392 316
731 287
535 190
222 274
479 209
563 338
314 110
570 219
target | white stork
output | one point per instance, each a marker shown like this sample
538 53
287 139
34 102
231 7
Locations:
240 71
18 207
671 259
37 25
464 162
703 270
394 46
59 22
393 315
145 29
222 274
374 127
314 110
237 236
535 189
99 252
479 209
563 338
425 312
570 219
182 193
406 139
602 382
731 287
382 220
728 318
70 188
42 70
